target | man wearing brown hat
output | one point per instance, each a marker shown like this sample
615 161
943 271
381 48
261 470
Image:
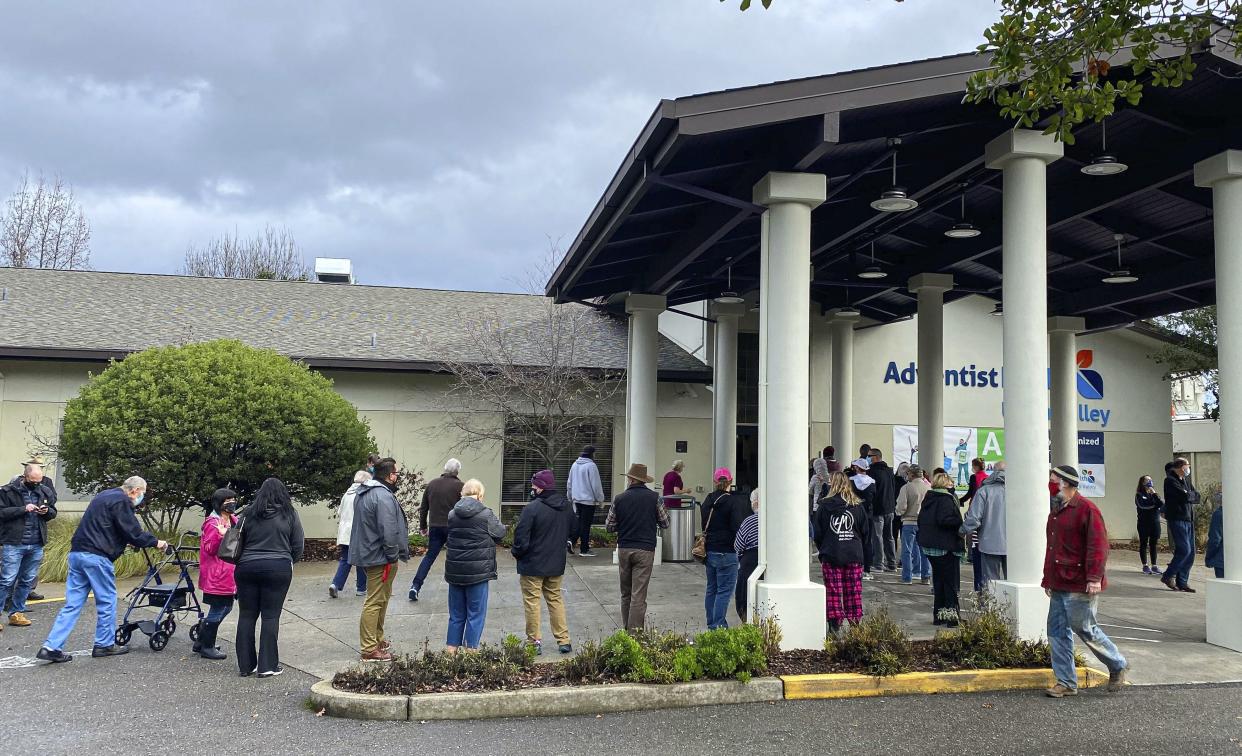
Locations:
634 516
26 505
539 548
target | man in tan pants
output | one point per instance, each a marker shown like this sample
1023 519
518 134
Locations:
634 516
539 548
379 539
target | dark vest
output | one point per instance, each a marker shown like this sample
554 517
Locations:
635 513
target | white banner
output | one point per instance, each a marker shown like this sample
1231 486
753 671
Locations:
960 445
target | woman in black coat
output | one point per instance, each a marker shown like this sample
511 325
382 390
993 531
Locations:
939 520
470 562
1147 503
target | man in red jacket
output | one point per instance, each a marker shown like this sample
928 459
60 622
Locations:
1073 579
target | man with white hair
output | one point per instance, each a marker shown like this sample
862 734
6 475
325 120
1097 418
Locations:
26 506
439 498
107 526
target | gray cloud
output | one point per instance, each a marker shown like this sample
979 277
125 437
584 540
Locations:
435 143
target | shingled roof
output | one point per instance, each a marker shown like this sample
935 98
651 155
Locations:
93 315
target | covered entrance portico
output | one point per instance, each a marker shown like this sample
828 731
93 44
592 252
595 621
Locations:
791 194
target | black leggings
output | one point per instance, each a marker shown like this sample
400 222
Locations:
1149 537
261 589
946 578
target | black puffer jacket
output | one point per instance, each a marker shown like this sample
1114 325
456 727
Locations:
939 521
840 530
470 551
541 535
13 511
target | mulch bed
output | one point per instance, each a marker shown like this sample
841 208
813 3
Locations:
538 676
816 662
324 550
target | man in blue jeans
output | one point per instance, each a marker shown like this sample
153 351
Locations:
106 528
439 498
26 506
1180 498
723 513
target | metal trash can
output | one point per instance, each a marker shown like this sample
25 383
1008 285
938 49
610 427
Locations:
678 540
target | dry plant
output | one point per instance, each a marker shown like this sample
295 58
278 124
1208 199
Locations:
43 226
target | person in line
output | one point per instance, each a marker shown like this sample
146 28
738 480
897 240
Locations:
722 514
469 565
1180 498
1214 554
107 526
636 516
829 455
902 476
985 523
50 486
440 496
26 506
272 540
1147 504
585 491
379 539
864 489
538 547
746 544
1074 577
882 543
673 485
345 512
940 521
215 576
840 530
818 488
977 475
914 563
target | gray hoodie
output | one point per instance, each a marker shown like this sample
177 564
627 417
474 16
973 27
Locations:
584 485
987 515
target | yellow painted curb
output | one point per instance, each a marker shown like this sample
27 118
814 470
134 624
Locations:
849 685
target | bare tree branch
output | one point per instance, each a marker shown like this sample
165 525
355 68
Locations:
272 254
42 226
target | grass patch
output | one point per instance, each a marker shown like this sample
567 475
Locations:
55 565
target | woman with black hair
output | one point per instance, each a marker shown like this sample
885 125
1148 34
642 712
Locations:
1148 504
215 576
272 541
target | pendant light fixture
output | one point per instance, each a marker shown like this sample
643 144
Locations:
894 199
963 229
1104 163
729 296
872 271
1120 275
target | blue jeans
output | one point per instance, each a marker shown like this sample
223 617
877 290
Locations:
18 570
88 573
436 537
913 563
217 612
721 582
1182 537
467 610
342 572
1070 613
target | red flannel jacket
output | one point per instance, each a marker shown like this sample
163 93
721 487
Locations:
1077 547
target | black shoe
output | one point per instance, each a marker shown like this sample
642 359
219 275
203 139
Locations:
413 594
566 648
53 655
273 673
113 650
586 553
1186 589
247 674
197 647
35 596
214 654
569 546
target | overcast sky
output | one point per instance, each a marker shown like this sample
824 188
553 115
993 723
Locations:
436 143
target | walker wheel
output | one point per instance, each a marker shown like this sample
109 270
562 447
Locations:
122 636
194 629
169 626
159 639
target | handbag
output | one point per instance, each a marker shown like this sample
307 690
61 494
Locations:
231 542
699 552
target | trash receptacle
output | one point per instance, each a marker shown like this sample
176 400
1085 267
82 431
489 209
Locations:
679 538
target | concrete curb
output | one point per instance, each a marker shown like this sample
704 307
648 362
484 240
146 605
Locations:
340 703
849 685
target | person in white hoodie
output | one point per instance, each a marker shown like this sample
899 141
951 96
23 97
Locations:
346 514
864 487
585 491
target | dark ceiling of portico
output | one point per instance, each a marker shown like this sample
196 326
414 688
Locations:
678 214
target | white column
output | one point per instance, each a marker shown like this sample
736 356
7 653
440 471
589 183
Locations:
1063 392
930 289
1223 173
1024 156
784 348
641 381
841 324
724 386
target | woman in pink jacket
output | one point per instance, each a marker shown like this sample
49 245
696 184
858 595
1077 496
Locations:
215 576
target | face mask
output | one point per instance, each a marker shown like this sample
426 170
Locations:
138 501
31 484
371 469
230 506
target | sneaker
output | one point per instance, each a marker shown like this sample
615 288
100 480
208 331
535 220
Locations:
538 647
565 648
35 596
569 546
1146 570
1155 569
332 590
1060 690
17 619
113 650
413 594
867 576
378 655
907 582
586 553
247 674
273 673
55 656
1116 681
925 581
360 593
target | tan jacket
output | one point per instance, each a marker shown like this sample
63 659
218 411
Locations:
910 500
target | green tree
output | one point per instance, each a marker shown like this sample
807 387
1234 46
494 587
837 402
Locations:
1075 61
1194 351
193 418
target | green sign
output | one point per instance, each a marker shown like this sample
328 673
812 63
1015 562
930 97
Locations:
991 446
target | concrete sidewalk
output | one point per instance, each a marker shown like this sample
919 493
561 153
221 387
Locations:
1161 632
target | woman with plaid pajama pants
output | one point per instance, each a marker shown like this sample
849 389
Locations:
841 527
